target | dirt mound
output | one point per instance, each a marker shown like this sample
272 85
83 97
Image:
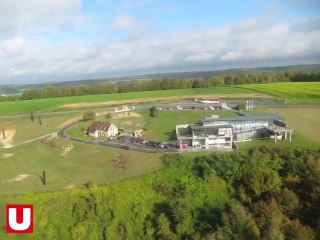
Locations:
9 133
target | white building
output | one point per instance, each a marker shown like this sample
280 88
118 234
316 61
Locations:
102 129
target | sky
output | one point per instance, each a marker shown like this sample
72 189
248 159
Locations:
61 40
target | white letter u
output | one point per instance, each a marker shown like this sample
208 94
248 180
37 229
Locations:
25 222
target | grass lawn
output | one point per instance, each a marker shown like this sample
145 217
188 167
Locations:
160 129
298 141
84 163
27 106
305 123
26 129
304 120
295 92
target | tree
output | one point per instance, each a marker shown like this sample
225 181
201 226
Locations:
163 227
241 106
31 117
154 112
89 115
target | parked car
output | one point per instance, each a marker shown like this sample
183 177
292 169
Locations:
162 145
184 145
126 147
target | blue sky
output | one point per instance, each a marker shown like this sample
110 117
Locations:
58 40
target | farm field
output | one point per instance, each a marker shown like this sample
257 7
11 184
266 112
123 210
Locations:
295 92
49 104
68 167
160 129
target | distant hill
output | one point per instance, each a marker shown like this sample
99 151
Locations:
17 88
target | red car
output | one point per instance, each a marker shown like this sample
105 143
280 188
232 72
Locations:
126 147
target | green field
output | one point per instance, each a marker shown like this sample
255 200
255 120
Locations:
26 129
84 163
159 129
295 92
26 106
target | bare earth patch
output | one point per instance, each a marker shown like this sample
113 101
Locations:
6 155
18 178
68 187
66 150
9 133
132 114
143 100
128 123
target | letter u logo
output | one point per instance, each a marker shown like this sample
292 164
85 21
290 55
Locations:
19 218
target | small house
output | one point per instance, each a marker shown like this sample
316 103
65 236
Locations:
102 129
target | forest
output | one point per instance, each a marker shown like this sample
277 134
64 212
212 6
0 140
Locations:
263 193
167 83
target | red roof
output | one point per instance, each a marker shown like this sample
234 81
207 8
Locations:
99 126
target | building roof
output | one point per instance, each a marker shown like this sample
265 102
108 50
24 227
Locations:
195 127
266 117
99 126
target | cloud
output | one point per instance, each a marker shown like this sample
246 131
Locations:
124 22
14 47
36 15
132 28
248 43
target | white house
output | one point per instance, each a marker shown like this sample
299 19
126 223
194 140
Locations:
102 129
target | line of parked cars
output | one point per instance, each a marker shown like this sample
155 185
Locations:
130 140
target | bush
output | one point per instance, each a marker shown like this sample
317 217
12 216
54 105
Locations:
89 115
154 112
241 106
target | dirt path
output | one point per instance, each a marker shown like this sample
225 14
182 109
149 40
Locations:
6 145
69 121
175 98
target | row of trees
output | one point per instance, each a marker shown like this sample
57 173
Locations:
167 83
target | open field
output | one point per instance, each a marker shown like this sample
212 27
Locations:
82 163
295 92
305 123
160 129
27 106
25 129
298 141
303 120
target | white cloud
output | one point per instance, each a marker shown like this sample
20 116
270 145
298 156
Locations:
37 15
238 45
14 47
124 22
